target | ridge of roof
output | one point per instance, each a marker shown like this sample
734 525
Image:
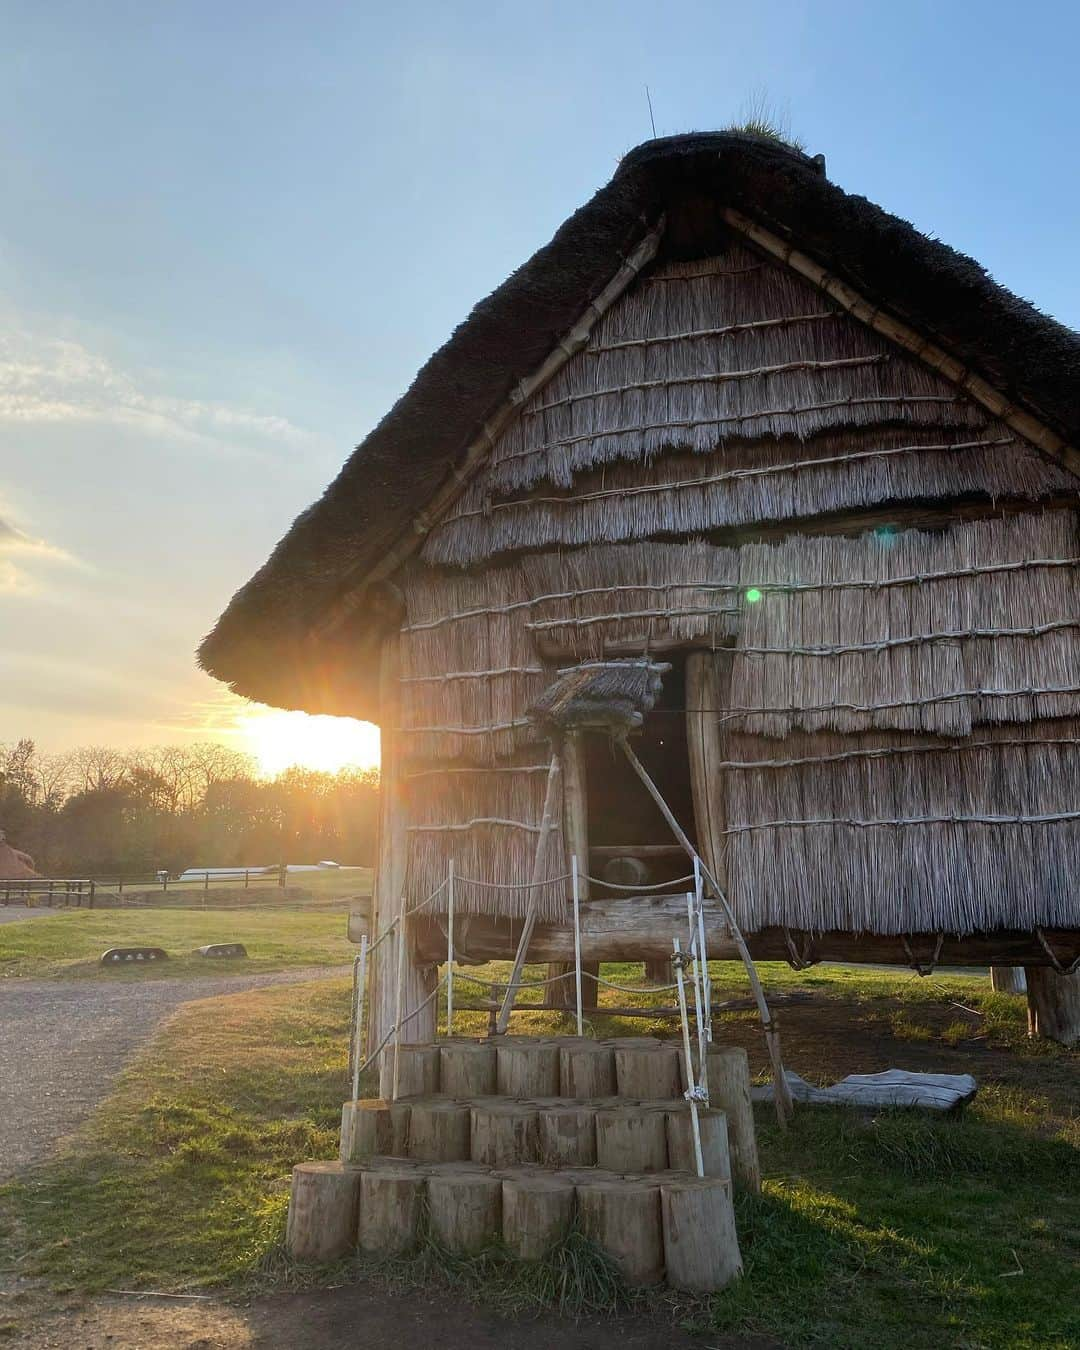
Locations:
261 646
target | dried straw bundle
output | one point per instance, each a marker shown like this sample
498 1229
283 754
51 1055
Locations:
488 822
745 482
911 657
948 839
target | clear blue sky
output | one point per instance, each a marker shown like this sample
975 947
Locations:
231 233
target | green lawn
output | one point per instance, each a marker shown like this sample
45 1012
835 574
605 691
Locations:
70 942
894 1230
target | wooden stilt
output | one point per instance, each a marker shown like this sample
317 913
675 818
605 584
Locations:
1053 1005
547 828
576 841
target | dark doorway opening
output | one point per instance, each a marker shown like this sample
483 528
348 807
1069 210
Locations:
630 843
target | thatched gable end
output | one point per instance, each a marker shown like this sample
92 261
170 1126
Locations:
273 642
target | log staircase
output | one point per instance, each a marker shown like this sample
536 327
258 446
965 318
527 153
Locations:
512 1138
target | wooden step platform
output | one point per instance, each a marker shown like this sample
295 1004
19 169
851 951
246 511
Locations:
513 1139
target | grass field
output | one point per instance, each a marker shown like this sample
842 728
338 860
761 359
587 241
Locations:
70 942
889 1230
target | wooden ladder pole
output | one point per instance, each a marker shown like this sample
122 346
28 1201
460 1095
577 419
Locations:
547 825
781 1092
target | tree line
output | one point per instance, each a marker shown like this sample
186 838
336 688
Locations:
95 811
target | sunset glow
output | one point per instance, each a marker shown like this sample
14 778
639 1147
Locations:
279 740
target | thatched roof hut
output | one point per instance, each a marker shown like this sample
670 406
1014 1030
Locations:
736 422
14 864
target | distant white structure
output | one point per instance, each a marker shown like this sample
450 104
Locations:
238 873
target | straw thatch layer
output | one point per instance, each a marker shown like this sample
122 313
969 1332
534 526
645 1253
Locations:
899 834
610 696
488 822
724 392
912 657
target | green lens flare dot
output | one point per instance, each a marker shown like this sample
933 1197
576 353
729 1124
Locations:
753 595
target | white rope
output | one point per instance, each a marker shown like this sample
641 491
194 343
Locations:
630 989
522 984
656 886
511 885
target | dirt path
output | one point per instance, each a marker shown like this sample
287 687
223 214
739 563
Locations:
341 1319
17 913
63 1043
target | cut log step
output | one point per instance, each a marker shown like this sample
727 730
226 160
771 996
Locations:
454 1169
504 1134
527 1068
373 1126
566 1135
729 1091
631 1140
465 1210
537 1210
624 1218
321 1225
439 1131
467 1068
391 1200
715 1152
418 1071
701 1247
587 1069
648 1071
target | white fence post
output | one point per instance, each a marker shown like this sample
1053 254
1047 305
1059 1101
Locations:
449 950
358 1015
397 997
692 1089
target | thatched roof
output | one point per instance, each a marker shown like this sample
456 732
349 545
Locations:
263 645
14 864
612 696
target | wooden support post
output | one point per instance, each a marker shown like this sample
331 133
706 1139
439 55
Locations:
527 1069
390 1203
624 1218
658 970
390 875
631 1139
1008 979
701 1246
1053 1005
467 1069
648 1071
504 1134
576 841
729 1091
465 1209
781 1091
322 1211
539 870
536 1213
586 1069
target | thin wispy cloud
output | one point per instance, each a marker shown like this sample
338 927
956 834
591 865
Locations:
57 380
17 547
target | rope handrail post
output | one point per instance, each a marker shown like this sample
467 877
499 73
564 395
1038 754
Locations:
781 1092
397 999
450 947
359 987
695 973
692 1087
576 891
703 954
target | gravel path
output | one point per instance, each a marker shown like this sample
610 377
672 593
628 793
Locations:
17 913
63 1042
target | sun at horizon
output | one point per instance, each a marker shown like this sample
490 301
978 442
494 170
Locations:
280 740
